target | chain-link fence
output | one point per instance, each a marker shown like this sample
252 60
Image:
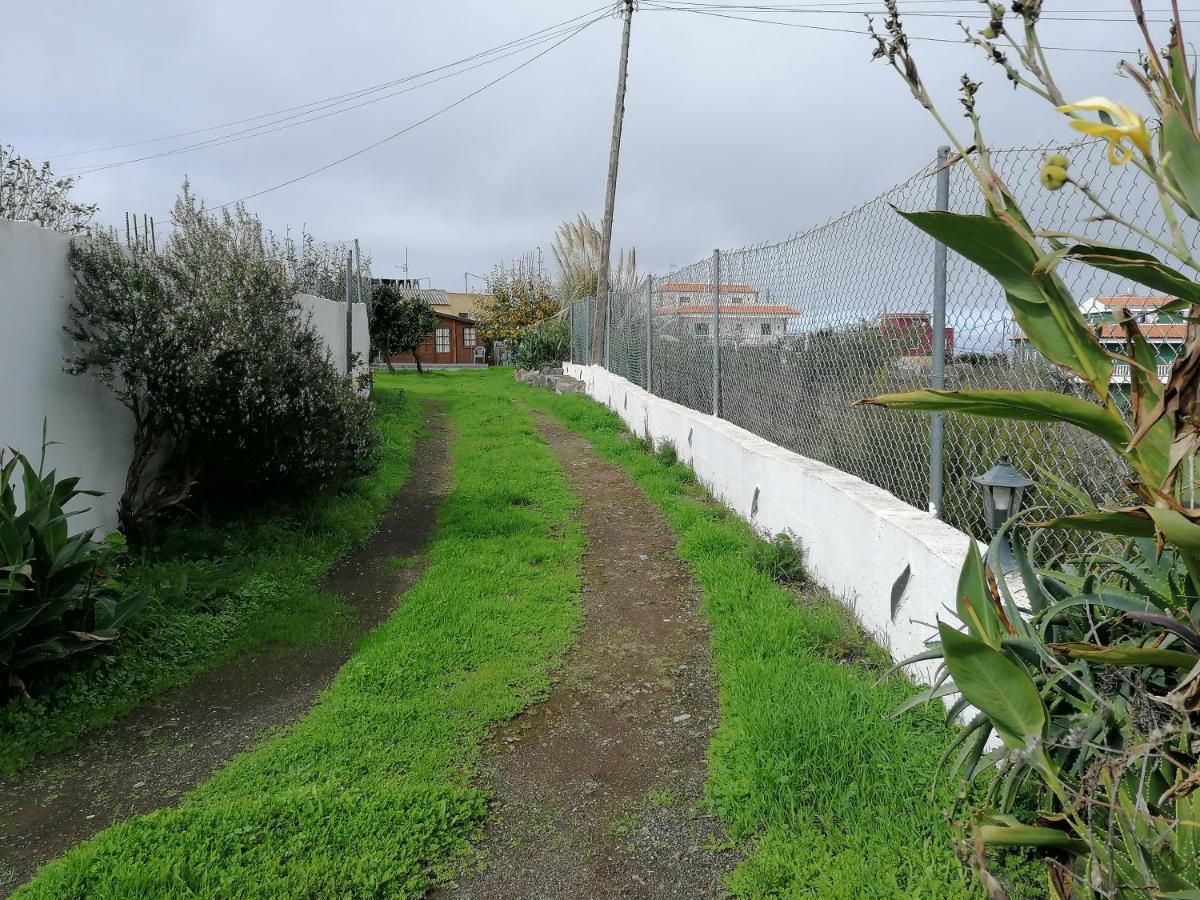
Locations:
805 327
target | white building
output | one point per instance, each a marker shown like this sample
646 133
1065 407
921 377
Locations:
687 309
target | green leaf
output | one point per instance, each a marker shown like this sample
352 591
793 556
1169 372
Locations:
976 608
1131 523
1030 836
1041 305
1139 267
1177 529
922 698
1127 655
996 686
1183 166
1118 602
1032 406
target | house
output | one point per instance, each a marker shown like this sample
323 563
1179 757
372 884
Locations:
687 310
911 333
1165 332
455 339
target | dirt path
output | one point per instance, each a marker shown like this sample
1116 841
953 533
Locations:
597 786
150 757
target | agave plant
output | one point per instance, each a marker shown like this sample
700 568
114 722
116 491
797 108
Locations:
1090 679
55 601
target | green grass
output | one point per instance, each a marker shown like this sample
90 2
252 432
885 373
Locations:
218 588
824 792
371 793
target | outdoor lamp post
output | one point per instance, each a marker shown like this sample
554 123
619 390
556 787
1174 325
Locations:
1003 487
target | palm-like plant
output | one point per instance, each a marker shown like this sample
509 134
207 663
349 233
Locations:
1090 680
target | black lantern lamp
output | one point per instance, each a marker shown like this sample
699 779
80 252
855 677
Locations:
1003 488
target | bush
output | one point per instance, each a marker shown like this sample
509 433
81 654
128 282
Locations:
231 389
55 599
546 343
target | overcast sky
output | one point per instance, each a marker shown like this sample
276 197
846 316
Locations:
735 132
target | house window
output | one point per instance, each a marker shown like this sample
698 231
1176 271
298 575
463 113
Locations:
701 329
443 340
468 337
766 328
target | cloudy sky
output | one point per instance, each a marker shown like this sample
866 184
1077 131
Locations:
736 132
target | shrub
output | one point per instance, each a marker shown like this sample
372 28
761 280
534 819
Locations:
55 599
35 194
546 343
230 388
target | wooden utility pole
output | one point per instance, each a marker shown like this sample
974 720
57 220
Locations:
610 194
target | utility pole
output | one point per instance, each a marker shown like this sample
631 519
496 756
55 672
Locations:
610 194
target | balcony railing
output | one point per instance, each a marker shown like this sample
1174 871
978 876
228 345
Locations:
1120 373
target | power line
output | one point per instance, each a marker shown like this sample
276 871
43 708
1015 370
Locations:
860 7
349 156
531 39
832 28
875 5
311 115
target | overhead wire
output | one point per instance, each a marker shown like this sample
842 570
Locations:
314 115
531 39
391 137
713 12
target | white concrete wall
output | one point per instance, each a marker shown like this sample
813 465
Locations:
329 319
857 537
95 433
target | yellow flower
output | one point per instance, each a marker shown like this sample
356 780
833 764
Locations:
1124 125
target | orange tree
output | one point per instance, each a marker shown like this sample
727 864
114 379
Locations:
517 298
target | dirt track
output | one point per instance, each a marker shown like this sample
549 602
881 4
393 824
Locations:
597 787
150 757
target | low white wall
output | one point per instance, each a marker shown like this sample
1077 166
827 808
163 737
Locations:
857 537
95 433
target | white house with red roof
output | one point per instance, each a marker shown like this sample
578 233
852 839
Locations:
1165 332
744 317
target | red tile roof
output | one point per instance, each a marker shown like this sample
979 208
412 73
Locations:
751 309
1152 332
725 288
1167 331
1132 300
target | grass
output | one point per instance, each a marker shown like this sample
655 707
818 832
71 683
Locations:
371 793
826 794
218 589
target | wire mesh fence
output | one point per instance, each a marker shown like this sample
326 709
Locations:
783 338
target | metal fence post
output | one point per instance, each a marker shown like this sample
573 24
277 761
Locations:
608 333
349 315
649 333
716 332
937 374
